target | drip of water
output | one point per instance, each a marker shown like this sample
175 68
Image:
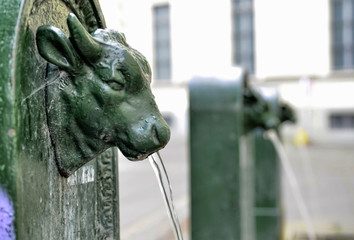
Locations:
164 183
290 175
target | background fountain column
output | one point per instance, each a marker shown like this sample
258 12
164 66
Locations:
235 175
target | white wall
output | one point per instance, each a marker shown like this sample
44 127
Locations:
133 18
314 104
200 32
292 38
201 37
112 10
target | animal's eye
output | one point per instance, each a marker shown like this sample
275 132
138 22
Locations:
117 86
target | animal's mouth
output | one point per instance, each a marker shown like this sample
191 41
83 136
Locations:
143 140
133 154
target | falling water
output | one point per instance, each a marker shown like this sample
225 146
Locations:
309 174
289 173
166 190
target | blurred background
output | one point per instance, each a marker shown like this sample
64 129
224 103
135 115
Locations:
302 48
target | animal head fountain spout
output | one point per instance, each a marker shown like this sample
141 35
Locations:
258 112
287 113
101 97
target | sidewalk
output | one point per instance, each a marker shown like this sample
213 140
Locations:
325 173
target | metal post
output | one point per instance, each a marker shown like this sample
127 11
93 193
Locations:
61 112
235 183
215 130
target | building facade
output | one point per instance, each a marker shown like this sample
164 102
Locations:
304 48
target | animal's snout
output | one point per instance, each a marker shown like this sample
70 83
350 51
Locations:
270 121
147 136
154 133
160 133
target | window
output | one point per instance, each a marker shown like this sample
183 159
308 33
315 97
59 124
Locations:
342 14
162 42
341 120
243 34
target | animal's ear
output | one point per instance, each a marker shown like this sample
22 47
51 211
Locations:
89 49
56 48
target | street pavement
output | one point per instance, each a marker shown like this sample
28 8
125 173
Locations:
143 215
325 175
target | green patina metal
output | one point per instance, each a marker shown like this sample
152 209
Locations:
215 129
64 113
267 175
258 112
267 188
235 176
9 11
102 100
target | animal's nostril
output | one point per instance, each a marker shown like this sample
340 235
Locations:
160 133
155 136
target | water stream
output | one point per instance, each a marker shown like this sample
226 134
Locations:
166 190
290 175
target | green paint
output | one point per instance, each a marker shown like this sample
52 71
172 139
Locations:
215 128
9 11
267 205
235 180
258 111
286 113
47 205
45 106
267 175
101 99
